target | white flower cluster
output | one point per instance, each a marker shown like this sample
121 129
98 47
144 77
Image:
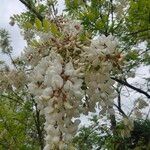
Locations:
101 49
54 82
32 55
100 89
73 27
97 78
46 41
56 86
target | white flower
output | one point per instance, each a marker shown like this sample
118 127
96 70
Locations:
56 82
47 147
68 85
72 128
77 83
95 62
48 110
57 67
37 76
48 77
48 138
62 145
55 139
69 69
73 27
67 105
67 137
111 111
48 92
33 88
55 56
50 128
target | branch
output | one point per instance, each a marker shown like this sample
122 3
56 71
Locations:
12 60
121 111
139 31
11 98
131 86
112 16
119 97
32 9
38 125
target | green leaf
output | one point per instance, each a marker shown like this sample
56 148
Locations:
132 55
38 24
46 25
99 24
54 29
27 25
34 43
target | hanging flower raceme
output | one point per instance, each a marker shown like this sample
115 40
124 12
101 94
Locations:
57 87
56 80
101 56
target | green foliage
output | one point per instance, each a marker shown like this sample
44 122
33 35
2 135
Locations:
46 25
129 21
86 139
93 18
98 16
25 19
54 29
17 126
99 137
38 24
5 42
146 58
132 55
139 19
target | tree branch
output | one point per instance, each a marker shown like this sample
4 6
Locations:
32 9
121 111
131 86
11 98
139 31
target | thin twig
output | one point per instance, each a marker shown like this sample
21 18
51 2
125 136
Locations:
131 86
121 111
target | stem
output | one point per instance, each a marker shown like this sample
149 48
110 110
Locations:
139 31
112 17
119 96
12 61
8 97
113 121
38 126
121 111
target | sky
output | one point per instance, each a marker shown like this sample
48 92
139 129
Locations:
7 9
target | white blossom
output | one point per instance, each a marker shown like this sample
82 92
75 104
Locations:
69 69
56 78
48 92
56 82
